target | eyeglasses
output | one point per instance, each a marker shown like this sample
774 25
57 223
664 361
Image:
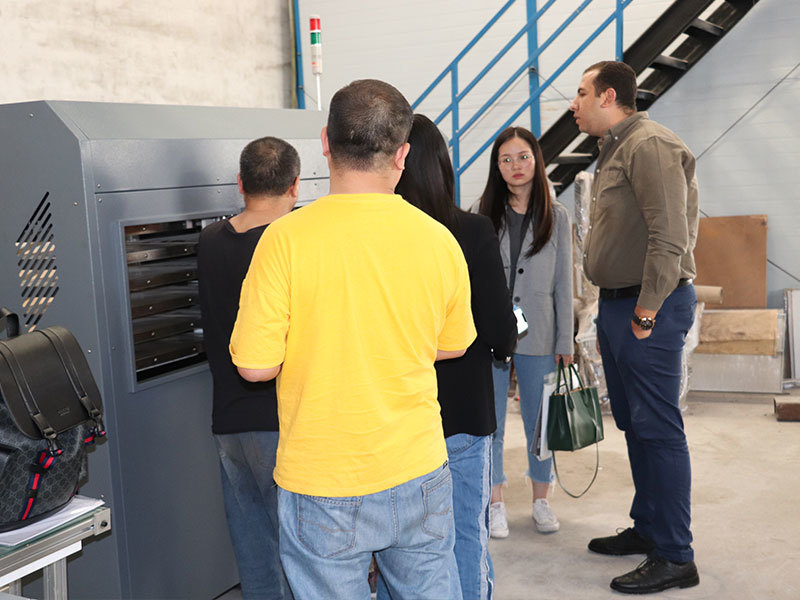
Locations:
522 159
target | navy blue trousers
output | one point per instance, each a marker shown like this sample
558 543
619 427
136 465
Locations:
643 378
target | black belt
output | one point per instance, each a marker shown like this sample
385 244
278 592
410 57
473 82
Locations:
632 291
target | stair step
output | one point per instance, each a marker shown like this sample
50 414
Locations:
645 95
670 62
702 28
574 158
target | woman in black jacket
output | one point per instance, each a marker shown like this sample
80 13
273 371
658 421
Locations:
465 384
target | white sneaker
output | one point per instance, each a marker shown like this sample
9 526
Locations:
498 522
544 517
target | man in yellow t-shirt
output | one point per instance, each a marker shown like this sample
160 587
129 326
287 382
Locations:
352 299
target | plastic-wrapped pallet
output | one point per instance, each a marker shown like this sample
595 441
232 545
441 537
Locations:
586 293
586 299
692 341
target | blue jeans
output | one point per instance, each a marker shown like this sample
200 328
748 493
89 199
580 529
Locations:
531 371
328 543
470 461
643 378
251 505
469 457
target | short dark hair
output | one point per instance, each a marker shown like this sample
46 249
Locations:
428 181
619 76
368 121
268 166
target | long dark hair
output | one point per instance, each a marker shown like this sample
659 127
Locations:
428 181
540 205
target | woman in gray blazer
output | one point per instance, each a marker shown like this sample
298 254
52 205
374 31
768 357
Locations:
536 248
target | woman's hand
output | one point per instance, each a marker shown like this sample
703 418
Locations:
567 358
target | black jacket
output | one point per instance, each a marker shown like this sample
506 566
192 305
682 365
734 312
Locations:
465 384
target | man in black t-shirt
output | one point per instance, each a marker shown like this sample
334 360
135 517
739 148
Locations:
245 415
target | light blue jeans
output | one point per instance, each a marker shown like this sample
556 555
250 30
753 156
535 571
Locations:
470 462
251 505
327 543
469 457
531 371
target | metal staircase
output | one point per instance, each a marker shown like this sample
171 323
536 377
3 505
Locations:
682 17
566 150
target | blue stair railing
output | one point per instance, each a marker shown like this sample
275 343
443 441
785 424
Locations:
530 30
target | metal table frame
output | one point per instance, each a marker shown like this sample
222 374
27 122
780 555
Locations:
49 552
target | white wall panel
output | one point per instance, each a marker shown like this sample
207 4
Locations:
736 111
752 168
408 44
200 52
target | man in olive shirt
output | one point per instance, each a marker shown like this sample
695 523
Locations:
643 227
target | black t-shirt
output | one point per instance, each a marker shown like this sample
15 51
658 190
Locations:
515 223
465 383
223 259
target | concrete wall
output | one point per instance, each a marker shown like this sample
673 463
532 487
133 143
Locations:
409 43
200 52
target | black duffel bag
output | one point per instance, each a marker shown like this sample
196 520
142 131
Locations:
50 411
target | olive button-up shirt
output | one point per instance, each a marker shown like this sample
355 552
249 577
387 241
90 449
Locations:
643 211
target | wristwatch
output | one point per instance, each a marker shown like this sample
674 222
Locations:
643 323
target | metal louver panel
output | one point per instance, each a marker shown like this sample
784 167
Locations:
36 258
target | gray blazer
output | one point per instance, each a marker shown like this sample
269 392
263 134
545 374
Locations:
543 287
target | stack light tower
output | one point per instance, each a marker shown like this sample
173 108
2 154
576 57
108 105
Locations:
316 55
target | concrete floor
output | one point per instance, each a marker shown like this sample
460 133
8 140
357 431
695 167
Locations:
745 505
745 509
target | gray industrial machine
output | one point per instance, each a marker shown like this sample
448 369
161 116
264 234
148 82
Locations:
100 210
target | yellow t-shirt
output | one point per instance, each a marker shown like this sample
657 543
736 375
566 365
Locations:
354 294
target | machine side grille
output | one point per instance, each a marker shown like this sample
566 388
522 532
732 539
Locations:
36 258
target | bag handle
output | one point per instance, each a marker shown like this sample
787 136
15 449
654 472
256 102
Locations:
48 433
9 322
69 368
562 371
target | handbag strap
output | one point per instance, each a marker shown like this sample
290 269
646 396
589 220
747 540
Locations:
9 321
596 469
29 400
567 372
559 375
574 371
72 374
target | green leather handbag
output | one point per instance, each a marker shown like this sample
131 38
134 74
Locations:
574 420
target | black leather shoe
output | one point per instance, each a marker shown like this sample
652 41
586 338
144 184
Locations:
656 574
627 541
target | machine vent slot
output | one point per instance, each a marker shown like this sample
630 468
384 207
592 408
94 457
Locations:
162 287
36 258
